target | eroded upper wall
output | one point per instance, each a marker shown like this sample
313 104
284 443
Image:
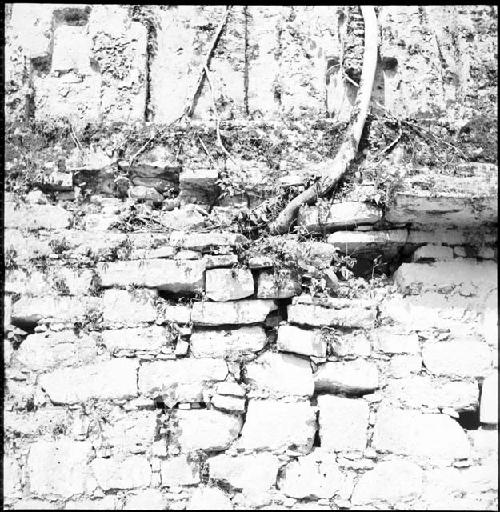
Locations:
105 63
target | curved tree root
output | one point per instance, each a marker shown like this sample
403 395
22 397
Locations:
349 146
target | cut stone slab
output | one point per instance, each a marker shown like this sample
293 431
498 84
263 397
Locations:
179 470
170 275
129 308
35 217
209 498
279 375
203 241
178 314
151 339
74 385
356 242
389 482
317 316
229 403
315 476
394 342
220 260
229 284
198 186
227 343
59 468
231 313
282 284
129 473
338 216
148 499
301 341
434 436
272 425
343 423
204 429
351 377
457 358
488 412
433 253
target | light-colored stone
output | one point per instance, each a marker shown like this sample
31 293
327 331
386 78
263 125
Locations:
106 503
280 284
315 476
343 423
150 339
318 316
34 217
114 379
239 312
404 365
279 375
202 241
254 472
229 403
170 275
433 253
129 473
205 429
129 308
353 242
488 412
457 358
209 498
349 344
179 470
185 217
59 468
434 436
181 380
389 483
394 342
178 314
351 377
148 499
11 479
220 260
278 426
301 341
229 284
63 309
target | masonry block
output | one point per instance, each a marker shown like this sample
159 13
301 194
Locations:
350 377
282 284
489 400
229 284
35 217
122 473
151 339
176 471
301 341
129 308
231 313
317 316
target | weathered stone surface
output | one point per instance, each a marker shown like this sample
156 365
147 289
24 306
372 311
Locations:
488 412
128 473
339 216
41 352
73 385
434 436
203 241
182 380
301 341
281 284
255 472
317 316
144 193
106 503
150 339
220 260
11 479
171 275
198 185
178 314
351 377
240 312
396 342
343 423
489 319
34 217
59 468
129 308
23 247
312 476
279 375
229 403
470 276
149 499
278 426
209 498
204 429
457 358
350 344
185 217
354 242
179 470
229 284
433 252
227 343
389 483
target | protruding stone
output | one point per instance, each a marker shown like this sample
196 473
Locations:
317 316
231 313
488 412
352 377
433 253
229 284
301 341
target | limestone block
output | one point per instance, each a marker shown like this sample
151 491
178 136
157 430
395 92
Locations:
489 319
229 403
457 358
301 341
145 194
45 351
24 247
148 499
35 217
150 339
339 216
178 314
343 423
198 186
123 307
228 284
122 473
186 217
229 343
253 472
74 385
279 375
170 275
181 380
240 312
11 479
204 429
315 476
390 482
203 241
71 50
179 470
278 426
209 498
59 468
220 260
489 400
354 242
404 365
350 344
278 285
317 316
106 503
433 252
394 342
434 436
350 377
